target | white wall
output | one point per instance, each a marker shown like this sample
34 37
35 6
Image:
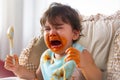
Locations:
90 7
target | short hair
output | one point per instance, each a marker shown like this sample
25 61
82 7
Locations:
65 13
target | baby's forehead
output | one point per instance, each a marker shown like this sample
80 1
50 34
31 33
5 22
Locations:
57 20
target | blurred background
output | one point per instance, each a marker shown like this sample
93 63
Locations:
25 15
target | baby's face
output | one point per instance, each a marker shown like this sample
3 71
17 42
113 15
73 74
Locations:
58 37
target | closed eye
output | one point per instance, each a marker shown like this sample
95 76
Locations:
58 26
47 29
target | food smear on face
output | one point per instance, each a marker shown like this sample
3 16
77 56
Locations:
56 43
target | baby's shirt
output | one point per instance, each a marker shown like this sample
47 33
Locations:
58 69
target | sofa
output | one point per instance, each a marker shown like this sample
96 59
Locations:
101 37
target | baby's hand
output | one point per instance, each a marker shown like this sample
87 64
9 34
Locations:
11 63
73 54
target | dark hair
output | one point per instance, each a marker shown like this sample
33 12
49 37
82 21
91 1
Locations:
65 12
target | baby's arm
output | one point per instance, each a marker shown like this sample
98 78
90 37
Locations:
39 74
88 67
17 69
85 63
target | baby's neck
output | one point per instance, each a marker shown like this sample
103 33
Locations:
58 56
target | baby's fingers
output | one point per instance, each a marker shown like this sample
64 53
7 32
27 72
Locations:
11 62
72 57
16 60
8 59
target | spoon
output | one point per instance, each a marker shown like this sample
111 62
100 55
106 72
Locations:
10 35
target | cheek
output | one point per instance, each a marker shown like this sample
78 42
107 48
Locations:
66 38
46 39
64 41
63 37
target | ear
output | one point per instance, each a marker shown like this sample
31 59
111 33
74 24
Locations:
76 34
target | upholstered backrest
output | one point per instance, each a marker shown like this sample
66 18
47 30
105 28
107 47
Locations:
98 34
98 31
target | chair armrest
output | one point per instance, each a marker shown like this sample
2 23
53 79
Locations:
30 56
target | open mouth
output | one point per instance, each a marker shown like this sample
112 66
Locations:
55 43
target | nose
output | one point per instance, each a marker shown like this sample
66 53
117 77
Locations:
53 32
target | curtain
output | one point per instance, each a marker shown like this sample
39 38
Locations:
11 14
24 16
